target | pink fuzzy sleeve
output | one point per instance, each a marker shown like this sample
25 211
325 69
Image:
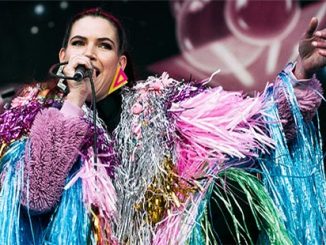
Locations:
52 149
308 93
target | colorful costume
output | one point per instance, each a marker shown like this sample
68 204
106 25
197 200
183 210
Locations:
177 147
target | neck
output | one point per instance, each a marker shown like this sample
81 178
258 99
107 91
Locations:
109 110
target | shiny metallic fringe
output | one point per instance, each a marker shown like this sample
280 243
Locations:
266 215
11 186
141 160
295 177
68 225
202 232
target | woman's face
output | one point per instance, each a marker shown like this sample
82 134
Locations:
96 38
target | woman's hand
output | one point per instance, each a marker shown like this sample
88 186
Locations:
312 51
78 91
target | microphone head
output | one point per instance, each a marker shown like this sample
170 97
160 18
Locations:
80 73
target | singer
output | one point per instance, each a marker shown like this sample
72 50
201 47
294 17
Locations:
177 162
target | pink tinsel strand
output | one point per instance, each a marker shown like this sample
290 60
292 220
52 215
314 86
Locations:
98 190
216 125
17 120
212 126
176 228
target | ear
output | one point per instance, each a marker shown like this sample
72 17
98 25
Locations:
123 61
62 55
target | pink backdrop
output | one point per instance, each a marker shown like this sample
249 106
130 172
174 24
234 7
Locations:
250 41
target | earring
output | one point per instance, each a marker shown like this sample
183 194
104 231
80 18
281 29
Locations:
120 79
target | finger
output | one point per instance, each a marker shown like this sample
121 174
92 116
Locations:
322 52
312 27
321 33
81 60
319 44
74 62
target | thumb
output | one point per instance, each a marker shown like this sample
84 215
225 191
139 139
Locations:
312 27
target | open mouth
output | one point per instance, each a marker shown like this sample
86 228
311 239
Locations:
97 72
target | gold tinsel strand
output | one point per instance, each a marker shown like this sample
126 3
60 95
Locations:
166 191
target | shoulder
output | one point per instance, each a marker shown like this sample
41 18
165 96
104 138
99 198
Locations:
16 120
155 82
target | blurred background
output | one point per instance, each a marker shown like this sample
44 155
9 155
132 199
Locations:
250 41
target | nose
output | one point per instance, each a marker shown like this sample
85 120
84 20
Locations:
90 52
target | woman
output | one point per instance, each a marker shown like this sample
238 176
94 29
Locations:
152 179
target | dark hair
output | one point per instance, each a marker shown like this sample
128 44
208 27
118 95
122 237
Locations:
121 34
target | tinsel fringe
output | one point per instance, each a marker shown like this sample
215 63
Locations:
179 133
266 215
69 223
295 176
11 186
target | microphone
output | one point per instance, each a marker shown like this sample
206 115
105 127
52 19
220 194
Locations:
80 73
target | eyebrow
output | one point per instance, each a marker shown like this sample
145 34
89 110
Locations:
101 39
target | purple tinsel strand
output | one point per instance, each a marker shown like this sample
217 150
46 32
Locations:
186 90
105 148
180 92
17 121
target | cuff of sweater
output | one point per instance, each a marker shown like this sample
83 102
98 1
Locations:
70 110
289 70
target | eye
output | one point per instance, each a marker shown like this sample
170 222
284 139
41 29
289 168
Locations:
77 43
107 46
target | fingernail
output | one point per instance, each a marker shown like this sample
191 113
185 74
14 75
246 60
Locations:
318 33
314 43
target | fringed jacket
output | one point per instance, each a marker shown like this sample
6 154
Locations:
178 146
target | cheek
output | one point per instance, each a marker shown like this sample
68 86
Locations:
69 53
110 70
102 85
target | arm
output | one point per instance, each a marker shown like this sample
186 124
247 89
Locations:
308 90
55 139
308 94
312 51
53 147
